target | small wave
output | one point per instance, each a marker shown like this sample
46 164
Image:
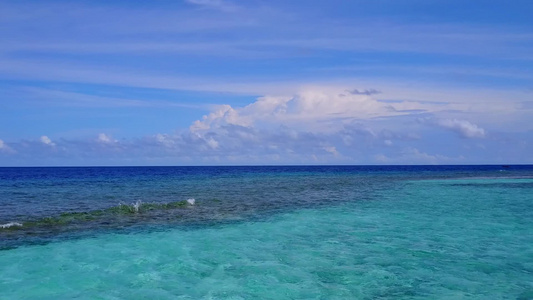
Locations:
191 201
136 205
133 208
10 224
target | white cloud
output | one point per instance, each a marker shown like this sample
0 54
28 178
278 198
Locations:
224 114
316 125
463 127
106 139
331 149
318 109
47 141
211 142
5 148
165 140
327 121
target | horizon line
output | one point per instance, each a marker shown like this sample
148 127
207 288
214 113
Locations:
289 165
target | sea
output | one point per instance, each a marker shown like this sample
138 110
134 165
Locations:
267 232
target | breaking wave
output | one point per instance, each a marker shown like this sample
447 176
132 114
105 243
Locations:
10 224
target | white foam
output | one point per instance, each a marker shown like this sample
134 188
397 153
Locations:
136 205
10 224
191 201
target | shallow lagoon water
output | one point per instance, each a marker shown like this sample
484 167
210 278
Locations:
441 236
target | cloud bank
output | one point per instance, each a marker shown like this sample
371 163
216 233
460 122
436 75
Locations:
317 125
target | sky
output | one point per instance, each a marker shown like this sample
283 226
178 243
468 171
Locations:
220 82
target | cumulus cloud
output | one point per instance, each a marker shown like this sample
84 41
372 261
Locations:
314 109
315 123
463 128
47 141
223 115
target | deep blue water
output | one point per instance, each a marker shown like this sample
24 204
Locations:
36 192
242 192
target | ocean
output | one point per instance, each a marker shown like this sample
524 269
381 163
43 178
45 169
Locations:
277 232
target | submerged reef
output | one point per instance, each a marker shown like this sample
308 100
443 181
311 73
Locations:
121 211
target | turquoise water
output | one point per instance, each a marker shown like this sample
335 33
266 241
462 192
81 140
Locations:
436 236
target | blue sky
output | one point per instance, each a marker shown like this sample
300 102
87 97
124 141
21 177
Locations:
215 82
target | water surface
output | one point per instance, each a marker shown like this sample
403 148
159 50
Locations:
446 232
